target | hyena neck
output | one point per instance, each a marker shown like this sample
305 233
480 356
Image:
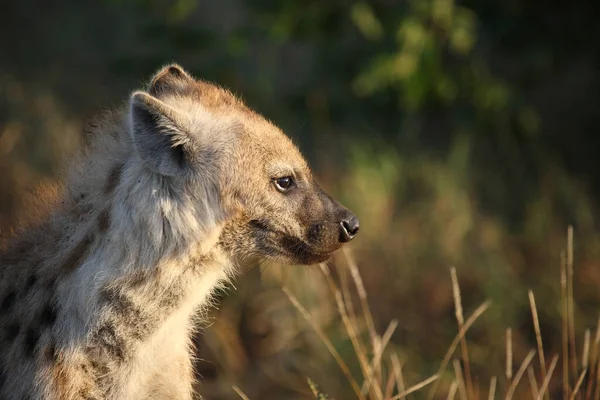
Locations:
140 248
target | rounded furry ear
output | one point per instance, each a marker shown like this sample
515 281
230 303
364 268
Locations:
170 79
159 135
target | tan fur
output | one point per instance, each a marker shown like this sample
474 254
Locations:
167 201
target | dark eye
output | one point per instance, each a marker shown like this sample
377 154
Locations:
284 184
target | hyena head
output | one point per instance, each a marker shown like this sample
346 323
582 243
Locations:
207 140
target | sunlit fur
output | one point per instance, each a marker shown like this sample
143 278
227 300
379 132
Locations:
97 299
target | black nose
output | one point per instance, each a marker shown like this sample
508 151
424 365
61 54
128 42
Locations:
348 228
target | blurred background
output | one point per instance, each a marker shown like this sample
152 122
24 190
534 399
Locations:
462 133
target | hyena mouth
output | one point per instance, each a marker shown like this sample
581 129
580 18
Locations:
276 243
302 251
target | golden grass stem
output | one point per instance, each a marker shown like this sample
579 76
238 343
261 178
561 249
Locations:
389 387
519 374
570 302
416 387
460 320
326 342
362 295
492 392
387 335
593 361
351 331
398 374
452 391
546 381
240 393
462 389
532 382
509 356
565 324
538 334
476 314
361 355
585 354
597 382
578 384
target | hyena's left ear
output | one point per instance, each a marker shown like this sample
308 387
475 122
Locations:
160 135
171 79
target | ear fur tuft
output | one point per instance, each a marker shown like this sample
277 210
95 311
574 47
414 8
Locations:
170 79
159 134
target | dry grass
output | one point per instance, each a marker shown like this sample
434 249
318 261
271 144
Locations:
382 368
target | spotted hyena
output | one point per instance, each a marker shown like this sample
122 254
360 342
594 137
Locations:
168 199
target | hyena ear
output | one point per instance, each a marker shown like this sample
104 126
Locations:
159 135
171 79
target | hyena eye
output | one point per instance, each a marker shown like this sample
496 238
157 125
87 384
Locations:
284 184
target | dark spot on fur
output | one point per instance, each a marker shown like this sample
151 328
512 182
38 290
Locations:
111 342
103 221
84 394
48 316
113 179
77 255
31 281
31 340
7 302
259 225
133 321
170 298
51 353
12 331
99 367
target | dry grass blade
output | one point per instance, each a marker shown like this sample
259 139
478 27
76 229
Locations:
578 384
326 342
565 324
570 301
593 362
362 357
546 381
509 355
389 387
597 382
532 383
585 355
452 391
462 389
492 392
538 334
362 294
416 387
476 314
520 372
460 320
240 393
387 335
364 304
351 331
398 373
385 339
